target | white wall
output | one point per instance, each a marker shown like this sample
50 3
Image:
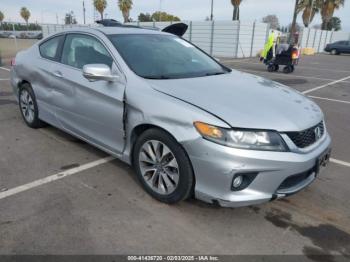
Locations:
223 38
232 39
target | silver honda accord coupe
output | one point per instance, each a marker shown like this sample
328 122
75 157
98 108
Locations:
189 125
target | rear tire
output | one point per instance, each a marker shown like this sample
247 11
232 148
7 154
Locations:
271 68
163 167
287 70
29 107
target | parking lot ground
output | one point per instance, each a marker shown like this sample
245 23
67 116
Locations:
103 210
339 91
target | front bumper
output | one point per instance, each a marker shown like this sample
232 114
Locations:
215 166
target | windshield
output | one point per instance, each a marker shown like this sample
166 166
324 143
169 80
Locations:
155 56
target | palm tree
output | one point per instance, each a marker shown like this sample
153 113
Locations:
294 22
309 9
100 6
125 6
236 4
327 10
2 17
334 24
25 13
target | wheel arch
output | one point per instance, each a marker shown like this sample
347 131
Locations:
23 82
140 129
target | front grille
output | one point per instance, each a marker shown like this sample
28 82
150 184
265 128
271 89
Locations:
307 137
295 179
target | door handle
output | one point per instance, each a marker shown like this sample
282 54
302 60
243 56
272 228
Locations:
58 74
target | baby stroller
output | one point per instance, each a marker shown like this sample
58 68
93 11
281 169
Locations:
289 58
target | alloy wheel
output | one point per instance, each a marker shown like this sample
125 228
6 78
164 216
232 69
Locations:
27 106
159 167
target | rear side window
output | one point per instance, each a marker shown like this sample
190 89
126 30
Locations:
341 43
80 50
50 48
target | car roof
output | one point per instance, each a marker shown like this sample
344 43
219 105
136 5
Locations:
115 30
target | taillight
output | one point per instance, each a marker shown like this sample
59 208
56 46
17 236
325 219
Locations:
13 61
295 54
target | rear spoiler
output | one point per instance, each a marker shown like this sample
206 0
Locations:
178 29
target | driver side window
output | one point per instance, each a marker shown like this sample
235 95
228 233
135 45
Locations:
80 50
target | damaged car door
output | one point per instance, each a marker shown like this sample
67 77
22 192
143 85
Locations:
91 108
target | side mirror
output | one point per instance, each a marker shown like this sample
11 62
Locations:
95 72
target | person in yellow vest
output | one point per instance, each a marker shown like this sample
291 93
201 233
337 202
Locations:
267 53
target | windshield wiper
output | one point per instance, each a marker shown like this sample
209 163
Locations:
156 77
214 74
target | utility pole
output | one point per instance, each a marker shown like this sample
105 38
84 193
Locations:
160 10
84 11
212 10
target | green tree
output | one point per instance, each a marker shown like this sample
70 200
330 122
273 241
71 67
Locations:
125 6
163 16
20 27
100 6
327 10
2 17
145 17
334 24
70 18
236 4
272 20
25 14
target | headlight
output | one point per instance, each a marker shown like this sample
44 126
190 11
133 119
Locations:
240 138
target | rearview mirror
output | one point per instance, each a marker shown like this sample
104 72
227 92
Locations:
95 72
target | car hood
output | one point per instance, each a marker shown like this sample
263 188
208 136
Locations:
246 101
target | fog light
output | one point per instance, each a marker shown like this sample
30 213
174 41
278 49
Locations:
237 181
242 180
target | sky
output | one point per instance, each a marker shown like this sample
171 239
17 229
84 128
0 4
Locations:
196 10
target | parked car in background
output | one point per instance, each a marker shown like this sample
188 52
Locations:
188 124
21 34
339 47
31 35
4 34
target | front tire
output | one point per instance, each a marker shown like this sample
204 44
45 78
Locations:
29 107
334 52
163 167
